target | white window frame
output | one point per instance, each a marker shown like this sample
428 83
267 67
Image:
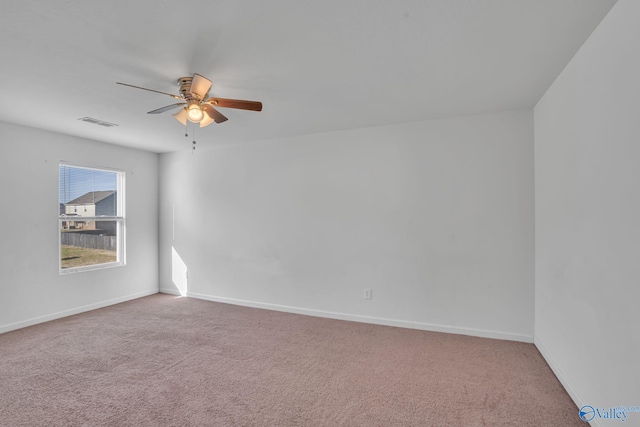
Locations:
119 218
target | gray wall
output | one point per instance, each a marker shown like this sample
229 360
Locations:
587 149
31 290
436 217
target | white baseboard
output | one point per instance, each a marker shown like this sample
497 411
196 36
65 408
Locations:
563 379
364 319
169 291
72 311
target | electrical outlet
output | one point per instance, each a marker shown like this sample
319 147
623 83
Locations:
367 293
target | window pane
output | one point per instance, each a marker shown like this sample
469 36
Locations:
88 192
90 222
84 245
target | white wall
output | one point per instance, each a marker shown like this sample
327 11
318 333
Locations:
31 290
587 157
435 217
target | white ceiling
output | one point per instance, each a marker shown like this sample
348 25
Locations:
317 66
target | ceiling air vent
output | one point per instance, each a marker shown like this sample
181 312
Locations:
97 122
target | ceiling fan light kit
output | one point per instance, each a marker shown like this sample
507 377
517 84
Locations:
194 112
181 116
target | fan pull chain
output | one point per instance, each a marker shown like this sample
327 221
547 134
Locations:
193 145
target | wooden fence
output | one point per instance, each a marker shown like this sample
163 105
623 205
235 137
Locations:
91 241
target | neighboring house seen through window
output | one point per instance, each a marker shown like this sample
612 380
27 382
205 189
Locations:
91 218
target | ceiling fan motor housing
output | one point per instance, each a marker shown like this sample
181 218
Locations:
185 87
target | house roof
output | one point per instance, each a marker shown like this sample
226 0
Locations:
91 197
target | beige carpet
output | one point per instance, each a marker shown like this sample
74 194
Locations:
168 361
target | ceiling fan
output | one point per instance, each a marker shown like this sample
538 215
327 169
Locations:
197 107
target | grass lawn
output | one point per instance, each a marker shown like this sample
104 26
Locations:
73 256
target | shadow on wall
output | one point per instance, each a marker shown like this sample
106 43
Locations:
179 274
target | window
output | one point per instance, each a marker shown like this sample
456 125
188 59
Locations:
91 218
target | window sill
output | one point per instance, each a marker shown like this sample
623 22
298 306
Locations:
71 270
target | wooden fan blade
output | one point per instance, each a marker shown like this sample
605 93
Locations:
167 108
214 114
236 103
200 86
150 90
